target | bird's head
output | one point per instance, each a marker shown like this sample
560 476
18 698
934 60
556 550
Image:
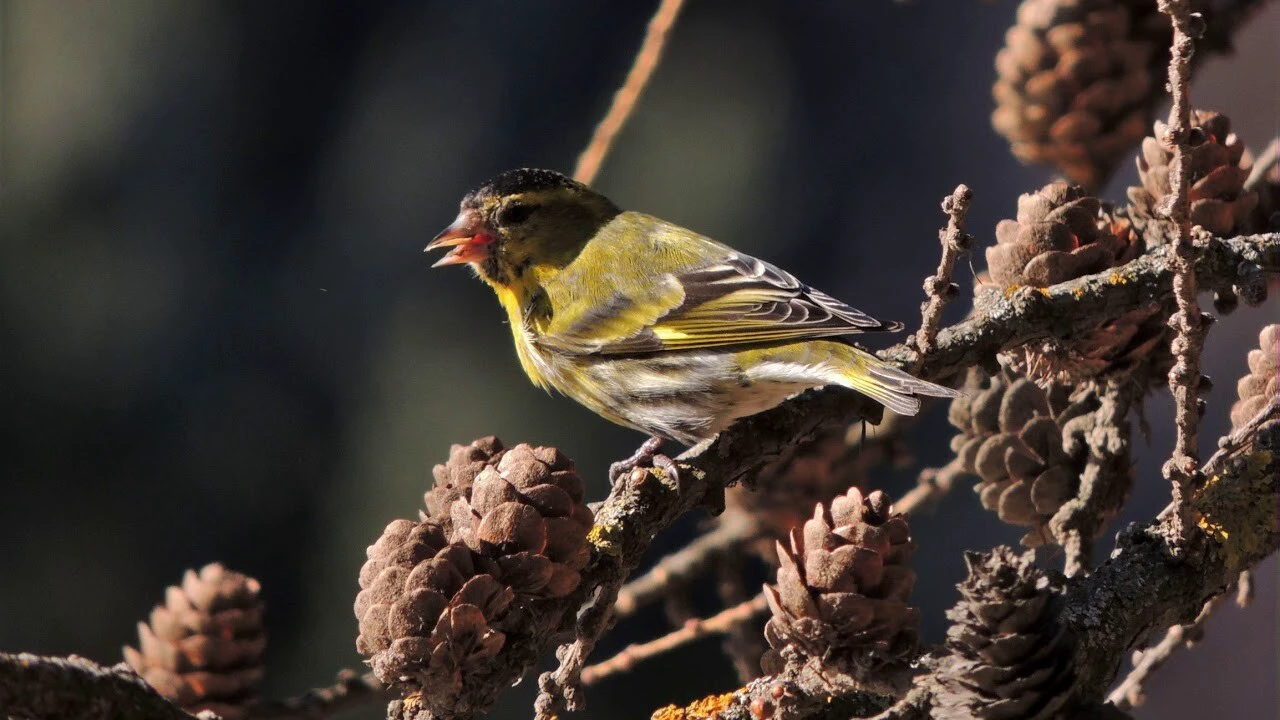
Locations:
520 220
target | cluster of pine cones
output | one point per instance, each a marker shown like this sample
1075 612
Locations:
453 598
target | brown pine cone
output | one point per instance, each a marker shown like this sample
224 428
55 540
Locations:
1018 439
1009 657
453 479
429 615
203 647
1218 170
1061 234
842 591
1258 388
1077 82
527 515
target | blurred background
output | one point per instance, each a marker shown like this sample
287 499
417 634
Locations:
219 339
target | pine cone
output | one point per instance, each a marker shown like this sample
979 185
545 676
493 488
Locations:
1061 234
1018 439
1077 82
203 647
430 615
527 515
842 589
1218 170
1258 388
1009 657
453 479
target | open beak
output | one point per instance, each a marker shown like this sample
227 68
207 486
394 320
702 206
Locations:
468 238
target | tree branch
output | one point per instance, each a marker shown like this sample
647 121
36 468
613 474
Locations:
1182 467
33 687
939 288
1129 693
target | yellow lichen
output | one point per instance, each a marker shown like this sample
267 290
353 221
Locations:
1239 510
1118 278
602 537
1078 292
1043 291
705 708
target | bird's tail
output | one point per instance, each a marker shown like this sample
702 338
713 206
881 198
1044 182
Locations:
888 385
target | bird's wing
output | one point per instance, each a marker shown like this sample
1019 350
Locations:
730 300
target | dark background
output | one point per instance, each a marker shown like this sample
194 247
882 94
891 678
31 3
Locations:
219 339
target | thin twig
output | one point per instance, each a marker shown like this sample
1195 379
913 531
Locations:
1182 468
735 530
932 484
624 101
562 689
718 624
1263 165
1104 484
743 643
1241 436
1129 693
938 287
352 689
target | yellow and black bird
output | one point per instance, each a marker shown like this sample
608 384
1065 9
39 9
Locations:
653 326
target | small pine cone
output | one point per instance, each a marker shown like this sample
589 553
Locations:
1059 235
1010 658
1258 388
1018 438
1077 81
453 479
428 613
1218 170
203 647
528 516
1062 234
843 586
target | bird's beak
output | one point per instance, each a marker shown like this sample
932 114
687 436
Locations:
468 238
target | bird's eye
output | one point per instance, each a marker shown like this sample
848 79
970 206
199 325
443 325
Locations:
514 214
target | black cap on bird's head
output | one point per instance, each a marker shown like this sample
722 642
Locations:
522 216
520 181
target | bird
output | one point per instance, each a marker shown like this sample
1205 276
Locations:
653 326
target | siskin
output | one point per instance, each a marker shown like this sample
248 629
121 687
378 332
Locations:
653 326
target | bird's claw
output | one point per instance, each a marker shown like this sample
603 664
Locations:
646 455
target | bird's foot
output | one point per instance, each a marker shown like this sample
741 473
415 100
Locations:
646 456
